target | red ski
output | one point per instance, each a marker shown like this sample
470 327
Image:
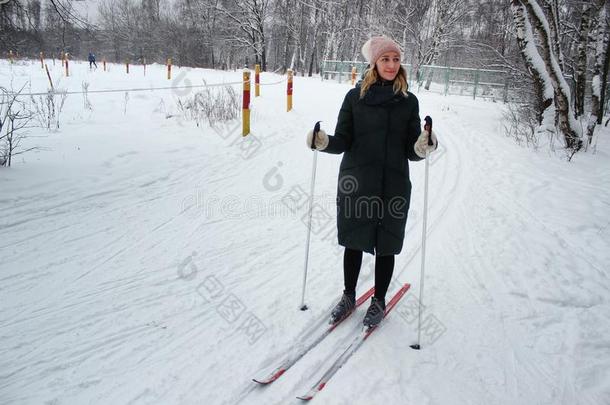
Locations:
291 359
351 349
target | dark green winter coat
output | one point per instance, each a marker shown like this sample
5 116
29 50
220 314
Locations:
376 135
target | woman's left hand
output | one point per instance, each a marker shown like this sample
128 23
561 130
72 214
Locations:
421 145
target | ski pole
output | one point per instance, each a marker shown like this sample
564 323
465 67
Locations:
316 129
427 127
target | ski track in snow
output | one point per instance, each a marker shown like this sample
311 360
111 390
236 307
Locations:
119 257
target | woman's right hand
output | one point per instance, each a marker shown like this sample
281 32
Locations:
321 139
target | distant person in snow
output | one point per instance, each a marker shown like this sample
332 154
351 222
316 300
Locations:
92 60
378 130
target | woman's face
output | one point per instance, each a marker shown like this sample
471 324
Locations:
388 65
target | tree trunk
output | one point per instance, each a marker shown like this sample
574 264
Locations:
553 11
601 45
263 52
542 84
262 40
311 61
581 67
315 42
436 43
286 53
600 115
567 124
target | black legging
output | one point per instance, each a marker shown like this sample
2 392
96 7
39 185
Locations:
384 267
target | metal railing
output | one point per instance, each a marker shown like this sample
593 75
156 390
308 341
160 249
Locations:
482 83
442 79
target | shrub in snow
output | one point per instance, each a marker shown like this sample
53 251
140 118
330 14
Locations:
214 104
47 108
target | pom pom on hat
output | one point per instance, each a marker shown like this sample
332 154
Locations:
377 46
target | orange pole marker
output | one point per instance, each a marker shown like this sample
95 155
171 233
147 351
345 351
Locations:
289 91
257 80
246 104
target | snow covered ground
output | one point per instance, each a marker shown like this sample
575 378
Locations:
145 260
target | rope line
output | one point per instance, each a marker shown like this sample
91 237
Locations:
139 89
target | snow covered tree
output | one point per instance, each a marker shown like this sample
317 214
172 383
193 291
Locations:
581 69
248 20
600 68
552 11
448 13
533 62
550 72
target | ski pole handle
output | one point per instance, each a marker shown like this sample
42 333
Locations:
316 129
428 127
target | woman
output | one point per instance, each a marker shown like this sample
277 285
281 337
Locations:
378 131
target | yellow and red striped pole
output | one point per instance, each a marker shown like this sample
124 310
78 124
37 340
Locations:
257 80
353 75
246 104
41 61
169 68
289 91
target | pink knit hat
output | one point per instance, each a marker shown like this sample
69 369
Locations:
377 46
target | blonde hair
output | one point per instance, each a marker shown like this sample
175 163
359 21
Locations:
371 76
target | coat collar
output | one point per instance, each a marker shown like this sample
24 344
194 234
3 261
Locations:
382 93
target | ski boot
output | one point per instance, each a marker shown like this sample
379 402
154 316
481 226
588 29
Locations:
343 308
375 313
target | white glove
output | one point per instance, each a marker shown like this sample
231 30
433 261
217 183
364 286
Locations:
321 139
421 145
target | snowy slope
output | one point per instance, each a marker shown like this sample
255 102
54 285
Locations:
146 260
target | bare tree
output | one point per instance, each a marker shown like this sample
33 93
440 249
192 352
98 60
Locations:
248 18
14 120
414 21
